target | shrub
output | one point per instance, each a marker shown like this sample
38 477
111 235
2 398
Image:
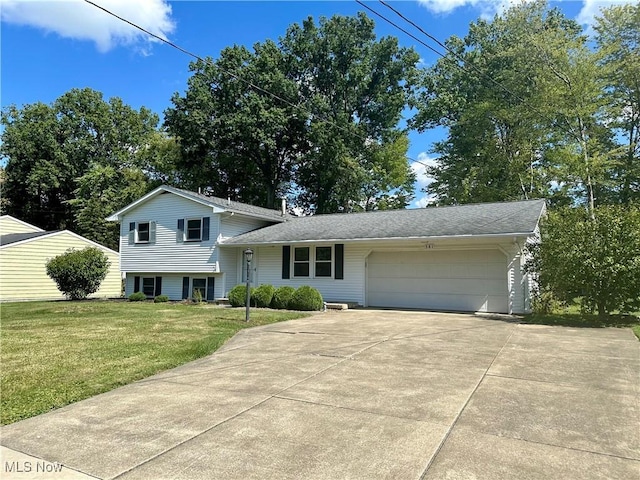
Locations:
238 296
137 297
282 297
79 273
262 295
197 296
545 303
161 299
306 298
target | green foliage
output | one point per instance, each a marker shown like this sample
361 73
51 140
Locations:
238 296
282 297
306 298
79 273
262 295
197 296
161 299
137 297
598 259
545 302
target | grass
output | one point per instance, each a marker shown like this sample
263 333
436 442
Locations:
56 353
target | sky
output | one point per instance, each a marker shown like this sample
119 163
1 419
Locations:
49 47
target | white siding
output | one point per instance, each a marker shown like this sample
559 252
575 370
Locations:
233 225
8 225
167 255
172 283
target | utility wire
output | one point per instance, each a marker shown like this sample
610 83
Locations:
226 72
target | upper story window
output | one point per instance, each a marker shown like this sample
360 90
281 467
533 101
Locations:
301 262
143 232
323 261
194 230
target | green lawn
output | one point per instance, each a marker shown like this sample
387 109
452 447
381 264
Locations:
571 319
56 353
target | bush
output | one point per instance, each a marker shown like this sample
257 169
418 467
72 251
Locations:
160 299
282 297
262 295
79 273
545 303
306 298
238 296
137 297
197 297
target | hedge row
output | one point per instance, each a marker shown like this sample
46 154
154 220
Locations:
304 298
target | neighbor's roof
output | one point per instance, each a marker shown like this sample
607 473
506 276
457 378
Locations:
10 238
214 202
484 219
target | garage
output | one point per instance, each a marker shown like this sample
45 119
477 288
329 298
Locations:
459 280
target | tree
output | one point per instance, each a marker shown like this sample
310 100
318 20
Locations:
50 149
79 273
328 135
597 259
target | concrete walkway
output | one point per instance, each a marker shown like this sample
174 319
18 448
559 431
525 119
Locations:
361 394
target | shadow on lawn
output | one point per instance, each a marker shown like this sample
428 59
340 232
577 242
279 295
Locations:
580 320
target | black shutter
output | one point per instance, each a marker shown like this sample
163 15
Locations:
185 287
158 290
205 229
286 261
339 248
132 233
180 232
136 284
211 282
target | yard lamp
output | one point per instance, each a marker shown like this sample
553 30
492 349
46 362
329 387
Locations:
248 255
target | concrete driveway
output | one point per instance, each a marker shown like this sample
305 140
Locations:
361 394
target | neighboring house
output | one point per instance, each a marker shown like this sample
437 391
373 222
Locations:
24 251
466 258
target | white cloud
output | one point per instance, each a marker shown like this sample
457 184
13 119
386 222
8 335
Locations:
591 9
488 8
423 180
79 20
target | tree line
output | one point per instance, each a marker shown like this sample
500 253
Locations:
532 107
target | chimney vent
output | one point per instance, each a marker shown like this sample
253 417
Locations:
283 207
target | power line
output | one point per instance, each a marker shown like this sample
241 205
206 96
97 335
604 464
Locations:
231 74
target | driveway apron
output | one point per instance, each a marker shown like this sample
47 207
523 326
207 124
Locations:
361 394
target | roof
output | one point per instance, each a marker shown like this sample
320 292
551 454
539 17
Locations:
225 205
483 219
10 238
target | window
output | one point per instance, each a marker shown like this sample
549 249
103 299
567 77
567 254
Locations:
149 286
301 262
200 285
194 230
143 232
323 261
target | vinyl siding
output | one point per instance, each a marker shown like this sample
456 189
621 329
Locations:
233 225
9 225
172 283
23 274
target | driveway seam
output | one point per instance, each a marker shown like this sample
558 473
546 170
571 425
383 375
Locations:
563 384
269 397
455 421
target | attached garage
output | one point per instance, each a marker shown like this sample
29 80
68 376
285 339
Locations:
465 280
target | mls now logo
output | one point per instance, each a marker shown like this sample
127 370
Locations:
28 467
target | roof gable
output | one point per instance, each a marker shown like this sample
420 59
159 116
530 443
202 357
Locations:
488 219
7 222
218 205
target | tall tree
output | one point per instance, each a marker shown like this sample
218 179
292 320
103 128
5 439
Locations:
53 150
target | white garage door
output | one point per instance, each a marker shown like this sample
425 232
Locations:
465 280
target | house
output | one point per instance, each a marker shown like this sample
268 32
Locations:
24 252
467 258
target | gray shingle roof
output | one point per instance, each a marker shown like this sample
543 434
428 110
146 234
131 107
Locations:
233 206
10 238
472 220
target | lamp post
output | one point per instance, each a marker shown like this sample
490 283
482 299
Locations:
248 255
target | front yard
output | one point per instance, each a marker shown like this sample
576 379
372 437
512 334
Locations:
56 353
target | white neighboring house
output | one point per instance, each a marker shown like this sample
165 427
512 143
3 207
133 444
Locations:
24 252
462 258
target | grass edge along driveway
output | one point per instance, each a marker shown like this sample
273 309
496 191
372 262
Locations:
56 353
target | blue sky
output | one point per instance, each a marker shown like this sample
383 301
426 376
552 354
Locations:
50 47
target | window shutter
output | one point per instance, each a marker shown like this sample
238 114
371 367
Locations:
132 233
152 232
158 289
185 288
286 261
211 282
136 284
205 229
180 232
339 272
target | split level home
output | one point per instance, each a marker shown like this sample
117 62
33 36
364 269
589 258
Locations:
460 258
24 252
